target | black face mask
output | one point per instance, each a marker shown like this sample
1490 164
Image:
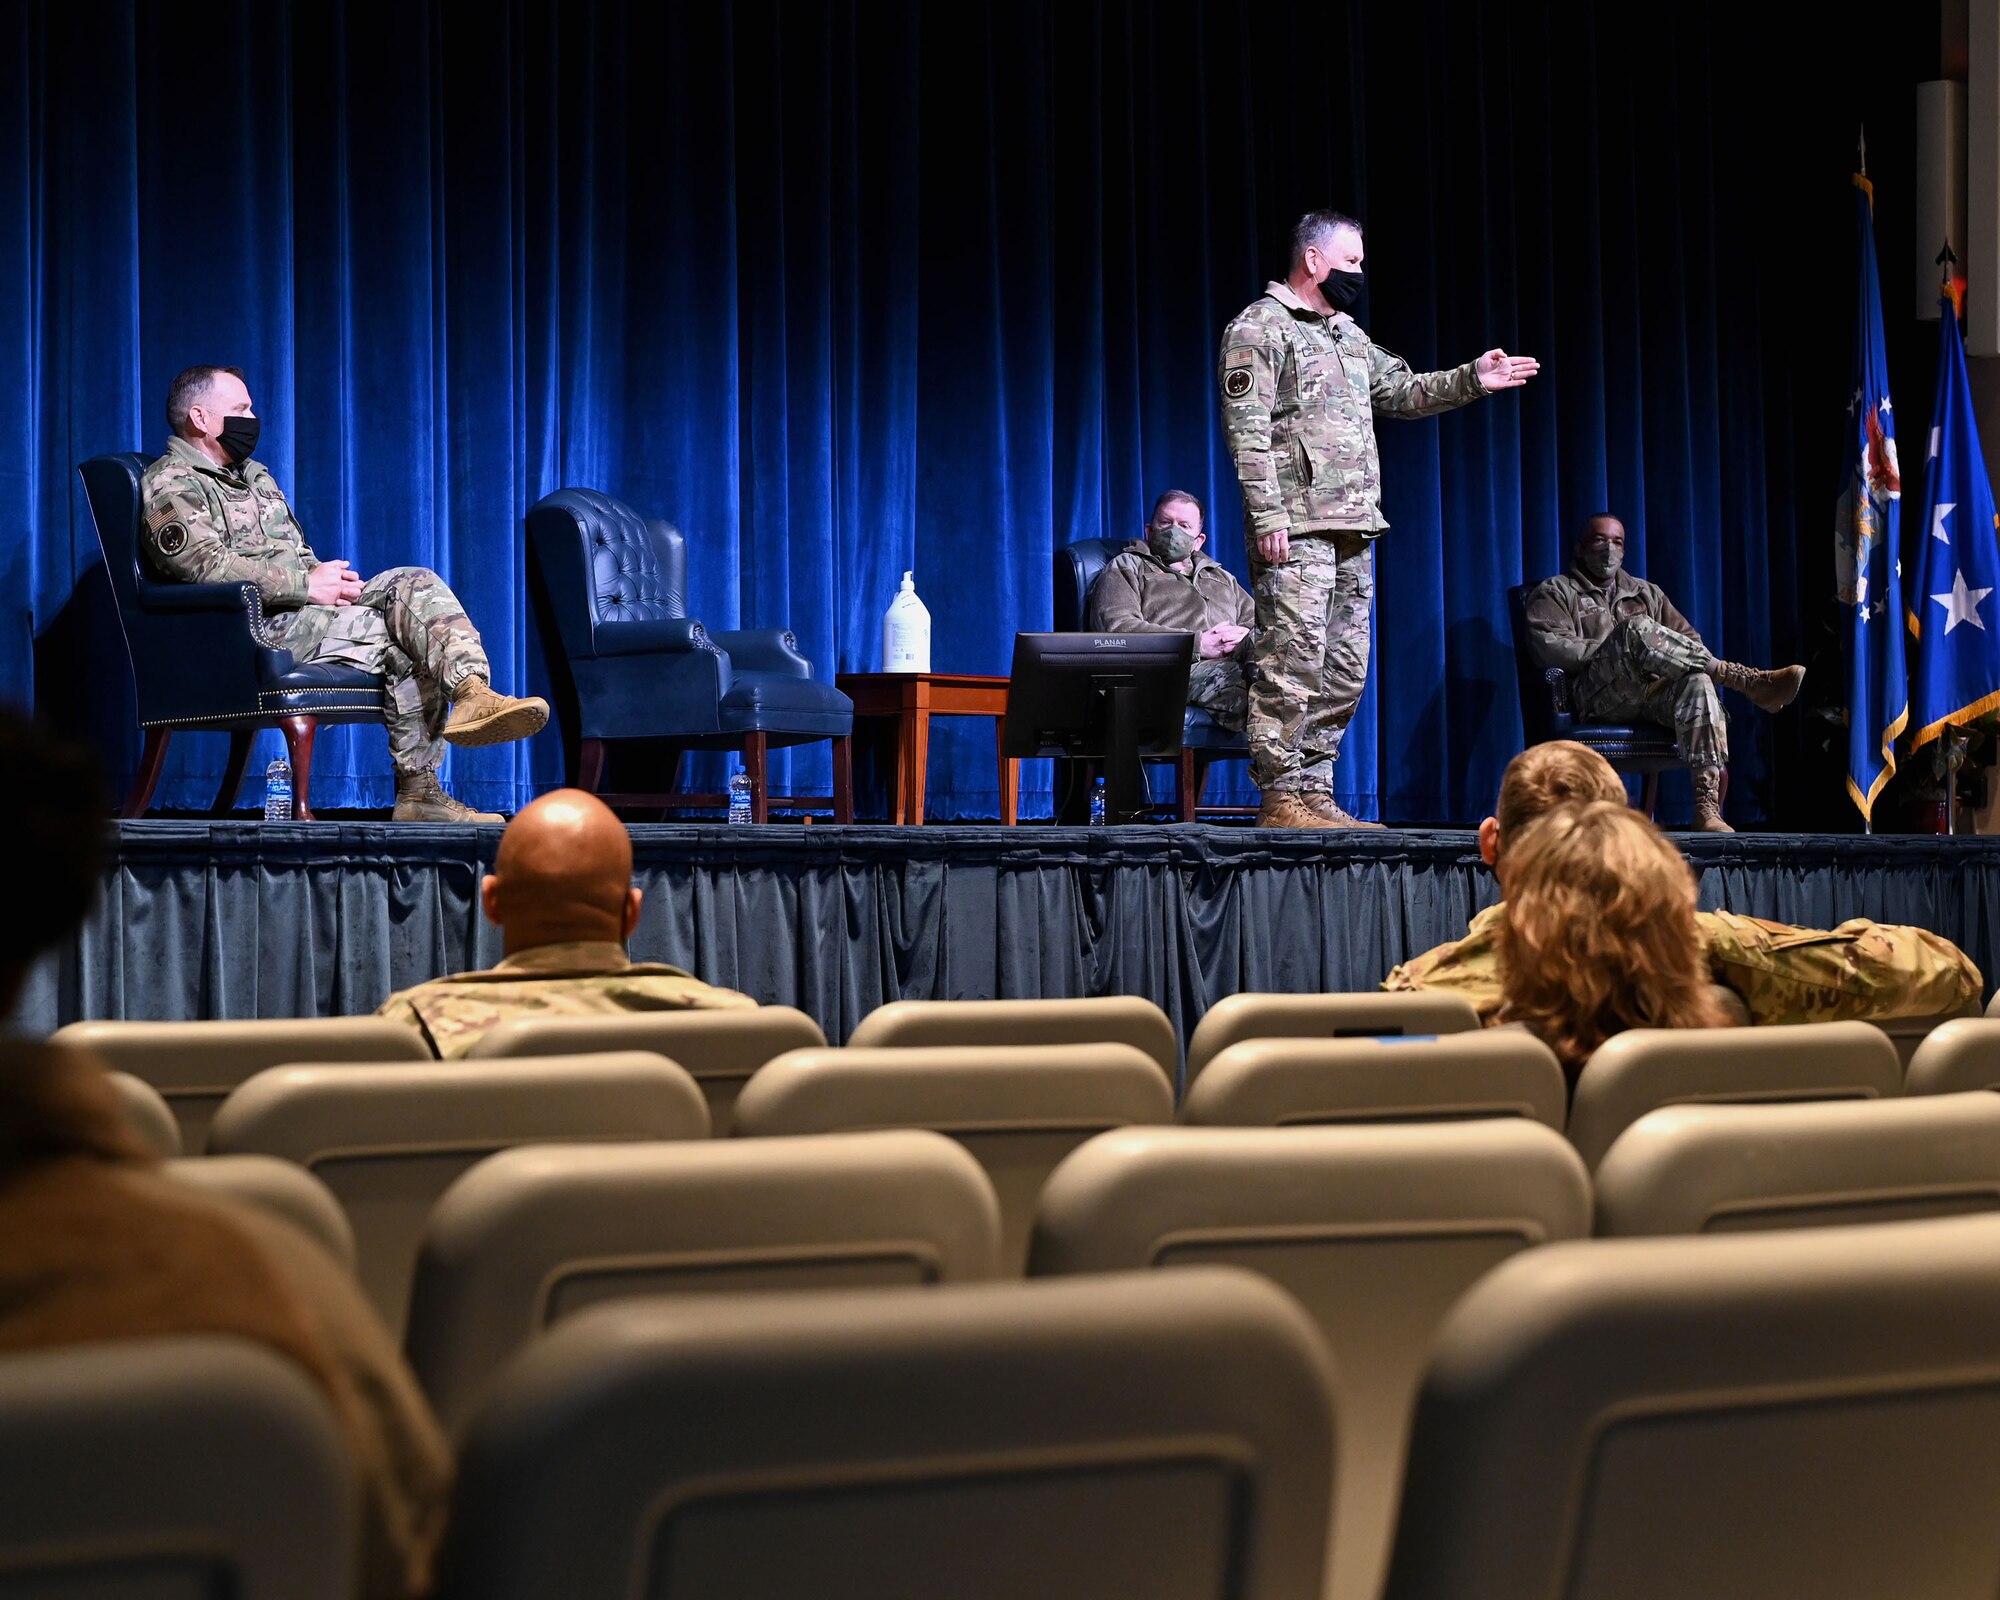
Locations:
239 437
1341 289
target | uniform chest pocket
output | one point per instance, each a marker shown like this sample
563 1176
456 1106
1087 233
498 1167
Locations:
1320 374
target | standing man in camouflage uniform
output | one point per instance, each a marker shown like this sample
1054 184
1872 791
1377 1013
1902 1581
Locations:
1163 583
214 515
1630 654
562 896
1300 383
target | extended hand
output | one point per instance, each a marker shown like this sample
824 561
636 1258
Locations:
1499 370
333 583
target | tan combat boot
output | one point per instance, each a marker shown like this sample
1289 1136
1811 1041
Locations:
479 716
1708 799
1286 808
421 798
1767 691
1323 807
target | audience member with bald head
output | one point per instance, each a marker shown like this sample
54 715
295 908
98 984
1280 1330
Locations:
1861 969
561 893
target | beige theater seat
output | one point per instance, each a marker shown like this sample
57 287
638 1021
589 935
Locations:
719 1049
1804 1413
283 1188
1237 1017
1113 1019
1646 1068
1729 1169
1019 1111
530 1236
185 1468
194 1065
389 1139
1263 1083
1157 1435
1959 1055
1375 1231
1907 1034
149 1113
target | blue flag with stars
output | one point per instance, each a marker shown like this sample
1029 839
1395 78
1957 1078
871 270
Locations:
1954 613
1868 529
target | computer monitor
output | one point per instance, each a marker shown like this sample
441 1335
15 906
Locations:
1115 695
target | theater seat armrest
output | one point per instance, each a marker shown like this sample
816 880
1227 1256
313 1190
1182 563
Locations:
764 650
194 596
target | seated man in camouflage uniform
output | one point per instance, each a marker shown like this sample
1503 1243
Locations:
561 893
1860 970
214 515
1630 654
1164 584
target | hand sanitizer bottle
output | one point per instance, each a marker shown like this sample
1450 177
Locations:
906 631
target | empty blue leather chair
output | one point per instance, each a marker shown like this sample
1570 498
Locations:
200 659
1643 748
628 662
1203 739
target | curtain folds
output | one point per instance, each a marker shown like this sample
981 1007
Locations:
848 288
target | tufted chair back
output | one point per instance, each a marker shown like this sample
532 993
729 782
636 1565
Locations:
604 563
1078 567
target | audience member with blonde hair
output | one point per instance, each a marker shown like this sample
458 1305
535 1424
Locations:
1861 969
1600 934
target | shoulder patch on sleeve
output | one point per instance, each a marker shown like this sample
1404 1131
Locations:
1241 355
171 539
1237 384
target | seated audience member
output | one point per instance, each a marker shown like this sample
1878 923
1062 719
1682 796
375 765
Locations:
96 1243
1861 969
214 515
1630 654
1600 934
561 893
1164 584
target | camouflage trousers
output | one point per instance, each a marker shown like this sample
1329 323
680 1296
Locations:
408 626
1646 670
1221 688
1309 660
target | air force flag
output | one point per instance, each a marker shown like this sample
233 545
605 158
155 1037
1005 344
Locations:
1954 610
1867 536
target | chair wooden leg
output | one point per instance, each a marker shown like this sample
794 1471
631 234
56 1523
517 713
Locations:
843 779
756 760
299 734
151 760
1649 795
1184 784
232 774
590 765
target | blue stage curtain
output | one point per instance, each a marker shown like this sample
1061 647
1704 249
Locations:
236 920
860 286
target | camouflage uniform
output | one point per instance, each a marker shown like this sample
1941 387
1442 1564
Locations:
583 979
1298 393
1630 654
1861 969
1139 593
212 524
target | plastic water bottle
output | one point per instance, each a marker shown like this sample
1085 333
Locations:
906 631
1097 804
739 797
278 791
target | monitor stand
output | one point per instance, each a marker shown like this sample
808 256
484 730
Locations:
1123 782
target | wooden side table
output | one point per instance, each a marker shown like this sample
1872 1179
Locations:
910 700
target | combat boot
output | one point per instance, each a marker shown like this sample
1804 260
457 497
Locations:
479 716
1767 691
1286 808
421 798
1322 806
1708 798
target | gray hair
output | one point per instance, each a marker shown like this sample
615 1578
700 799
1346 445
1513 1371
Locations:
1314 229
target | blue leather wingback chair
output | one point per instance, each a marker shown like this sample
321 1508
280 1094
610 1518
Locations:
201 660
1641 748
1203 740
632 664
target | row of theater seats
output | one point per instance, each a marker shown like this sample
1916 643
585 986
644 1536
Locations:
1775 1413
1376 1230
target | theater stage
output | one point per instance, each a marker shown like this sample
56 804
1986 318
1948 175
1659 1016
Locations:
241 919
